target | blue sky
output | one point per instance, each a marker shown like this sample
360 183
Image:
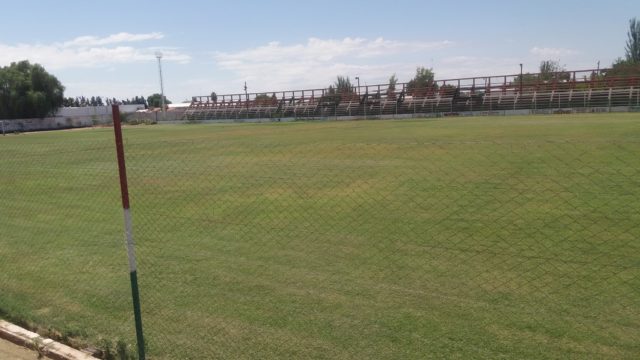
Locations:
107 48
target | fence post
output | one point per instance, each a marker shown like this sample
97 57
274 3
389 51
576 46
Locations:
124 191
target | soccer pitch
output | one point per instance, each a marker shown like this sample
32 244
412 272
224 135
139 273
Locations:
484 237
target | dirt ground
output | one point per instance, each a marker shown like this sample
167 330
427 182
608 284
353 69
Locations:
11 351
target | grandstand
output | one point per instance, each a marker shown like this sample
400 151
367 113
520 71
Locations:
567 91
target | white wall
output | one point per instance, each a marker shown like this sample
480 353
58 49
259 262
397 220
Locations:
68 117
51 123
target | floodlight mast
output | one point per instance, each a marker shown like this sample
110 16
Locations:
159 56
246 97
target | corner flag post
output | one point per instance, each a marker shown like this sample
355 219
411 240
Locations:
122 170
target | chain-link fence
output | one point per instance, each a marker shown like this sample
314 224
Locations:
62 272
334 240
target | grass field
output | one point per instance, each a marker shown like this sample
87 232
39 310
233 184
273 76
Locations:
496 237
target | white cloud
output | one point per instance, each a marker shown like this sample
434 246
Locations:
89 51
547 52
112 39
461 60
327 50
314 63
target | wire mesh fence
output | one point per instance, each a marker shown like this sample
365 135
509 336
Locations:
61 272
343 240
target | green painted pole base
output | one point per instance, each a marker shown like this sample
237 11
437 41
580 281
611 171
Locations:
136 313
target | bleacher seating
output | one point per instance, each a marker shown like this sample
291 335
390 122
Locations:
470 94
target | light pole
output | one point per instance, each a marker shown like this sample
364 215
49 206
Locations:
159 56
358 78
246 96
520 79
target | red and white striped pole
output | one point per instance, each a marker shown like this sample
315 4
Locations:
124 190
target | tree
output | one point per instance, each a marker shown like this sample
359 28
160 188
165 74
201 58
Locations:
633 42
623 68
548 71
391 89
550 67
28 91
68 102
552 70
630 65
155 101
343 85
422 82
214 97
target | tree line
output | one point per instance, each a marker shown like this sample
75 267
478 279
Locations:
81 101
29 91
152 101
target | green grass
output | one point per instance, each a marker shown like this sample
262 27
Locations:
496 237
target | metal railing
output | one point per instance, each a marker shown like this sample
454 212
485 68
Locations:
570 89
